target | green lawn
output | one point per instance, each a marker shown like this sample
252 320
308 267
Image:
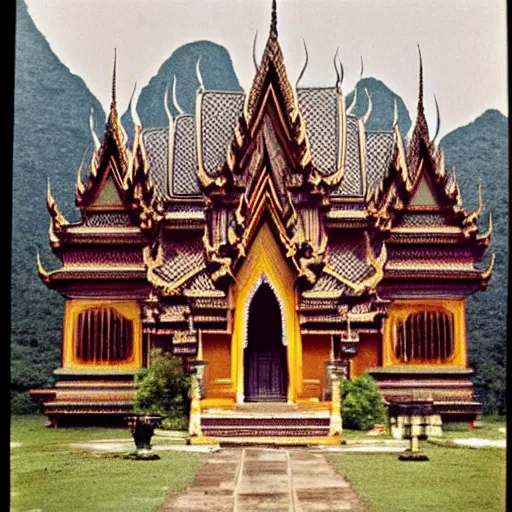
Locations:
453 480
46 474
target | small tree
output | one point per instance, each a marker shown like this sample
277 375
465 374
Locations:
361 403
163 389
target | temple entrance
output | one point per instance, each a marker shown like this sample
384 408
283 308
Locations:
265 368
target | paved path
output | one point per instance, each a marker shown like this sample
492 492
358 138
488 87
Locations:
258 479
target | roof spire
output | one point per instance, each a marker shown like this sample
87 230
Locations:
273 22
114 79
420 92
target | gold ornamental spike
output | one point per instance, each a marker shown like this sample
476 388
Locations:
486 274
43 273
53 209
167 109
174 99
95 139
370 107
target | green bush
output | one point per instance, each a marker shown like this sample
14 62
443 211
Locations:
163 389
361 403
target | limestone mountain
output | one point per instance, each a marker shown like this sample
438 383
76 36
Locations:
479 152
216 70
51 133
383 105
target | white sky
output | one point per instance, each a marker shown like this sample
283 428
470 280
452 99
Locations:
463 43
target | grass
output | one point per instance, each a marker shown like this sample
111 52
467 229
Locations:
47 475
489 429
465 479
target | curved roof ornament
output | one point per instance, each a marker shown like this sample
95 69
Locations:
340 74
353 104
174 99
43 273
362 68
79 184
95 139
395 113
438 121
370 107
166 107
198 73
336 67
254 60
305 65
133 108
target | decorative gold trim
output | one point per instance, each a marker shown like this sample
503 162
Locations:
44 275
486 274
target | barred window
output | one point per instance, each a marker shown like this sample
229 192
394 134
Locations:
425 335
103 335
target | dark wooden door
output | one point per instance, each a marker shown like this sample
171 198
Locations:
265 356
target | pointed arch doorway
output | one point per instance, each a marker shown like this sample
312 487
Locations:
265 364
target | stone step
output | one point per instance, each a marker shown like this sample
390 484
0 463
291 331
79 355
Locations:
235 421
270 432
267 407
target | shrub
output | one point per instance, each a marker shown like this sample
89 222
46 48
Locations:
361 403
163 388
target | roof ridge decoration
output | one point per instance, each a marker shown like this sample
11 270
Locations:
57 220
111 157
137 183
377 262
407 167
419 141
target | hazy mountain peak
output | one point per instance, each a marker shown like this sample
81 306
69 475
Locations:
383 101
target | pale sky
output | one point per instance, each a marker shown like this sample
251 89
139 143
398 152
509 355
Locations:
463 43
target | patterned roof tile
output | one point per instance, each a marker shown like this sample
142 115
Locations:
220 111
156 144
379 147
184 159
319 107
351 184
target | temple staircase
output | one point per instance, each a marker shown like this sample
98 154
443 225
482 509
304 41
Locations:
266 424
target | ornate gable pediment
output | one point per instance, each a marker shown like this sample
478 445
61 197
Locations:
267 173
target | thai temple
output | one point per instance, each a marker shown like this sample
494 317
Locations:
268 240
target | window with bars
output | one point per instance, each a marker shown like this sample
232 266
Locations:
425 336
103 336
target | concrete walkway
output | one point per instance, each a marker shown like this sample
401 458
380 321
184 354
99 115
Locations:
261 479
